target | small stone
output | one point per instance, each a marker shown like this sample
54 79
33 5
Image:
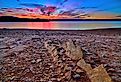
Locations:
79 71
111 69
60 61
61 74
49 81
33 61
64 59
39 60
47 68
11 78
19 48
53 79
67 68
58 79
76 76
51 66
3 47
1 67
14 61
68 74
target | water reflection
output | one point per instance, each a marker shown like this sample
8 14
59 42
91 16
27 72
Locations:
61 25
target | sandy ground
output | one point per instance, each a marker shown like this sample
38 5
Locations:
24 57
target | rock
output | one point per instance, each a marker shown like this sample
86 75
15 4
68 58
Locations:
59 79
76 76
49 46
111 70
39 60
1 67
60 50
99 74
4 47
53 79
68 75
60 61
63 58
52 66
49 81
82 64
66 68
33 61
18 48
79 71
12 77
73 51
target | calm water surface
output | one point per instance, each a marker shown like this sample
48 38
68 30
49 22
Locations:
66 25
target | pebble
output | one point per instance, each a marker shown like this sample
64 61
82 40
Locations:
53 79
76 76
79 71
33 61
49 81
1 67
39 60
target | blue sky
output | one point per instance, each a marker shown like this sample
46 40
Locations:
87 6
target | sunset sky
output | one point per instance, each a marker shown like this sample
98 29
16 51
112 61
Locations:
82 9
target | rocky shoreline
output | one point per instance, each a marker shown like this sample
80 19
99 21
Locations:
60 56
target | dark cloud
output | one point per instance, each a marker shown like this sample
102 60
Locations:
118 16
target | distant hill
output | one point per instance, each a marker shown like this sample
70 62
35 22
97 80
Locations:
16 19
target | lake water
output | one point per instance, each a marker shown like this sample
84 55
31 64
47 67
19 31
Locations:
62 25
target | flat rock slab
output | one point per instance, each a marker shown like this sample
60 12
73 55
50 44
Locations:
99 74
73 51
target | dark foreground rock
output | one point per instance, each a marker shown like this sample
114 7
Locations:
59 56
